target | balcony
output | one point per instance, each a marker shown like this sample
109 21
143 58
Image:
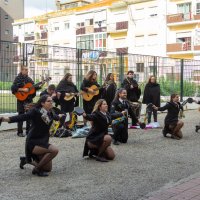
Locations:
44 35
100 29
28 38
80 31
196 47
89 29
176 47
118 27
15 39
123 50
183 19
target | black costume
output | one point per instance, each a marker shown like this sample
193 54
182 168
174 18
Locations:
89 105
121 132
108 92
152 95
133 94
67 87
19 82
172 114
38 134
99 128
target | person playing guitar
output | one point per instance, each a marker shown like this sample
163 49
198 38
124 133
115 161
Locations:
18 87
67 94
89 82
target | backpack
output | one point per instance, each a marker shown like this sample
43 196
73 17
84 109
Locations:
62 132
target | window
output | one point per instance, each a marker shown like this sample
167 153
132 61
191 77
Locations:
185 8
198 8
100 41
6 16
139 14
140 67
7 32
153 11
89 22
80 24
139 40
56 26
85 42
66 25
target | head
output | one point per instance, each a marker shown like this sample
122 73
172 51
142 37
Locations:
101 105
51 89
130 74
45 102
174 97
121 93
110 77
91 76
68 77
24 70
152 79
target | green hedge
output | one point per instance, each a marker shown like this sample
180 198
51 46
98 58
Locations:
5 85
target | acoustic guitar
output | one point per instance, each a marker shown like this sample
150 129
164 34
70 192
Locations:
21 96
87 96
69 96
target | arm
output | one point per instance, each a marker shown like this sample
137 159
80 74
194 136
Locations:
83 86
163 108
116 115
90 117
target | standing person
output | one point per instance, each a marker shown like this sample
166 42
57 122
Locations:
119 104
133 92
152 95
20 81
39 152
172 124
98 141
90 80
68 98
109 90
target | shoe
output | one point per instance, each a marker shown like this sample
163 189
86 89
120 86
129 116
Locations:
22 162
115 142
20 134
101 159
197 128
1 119
175 137
164 132
39 173
92 154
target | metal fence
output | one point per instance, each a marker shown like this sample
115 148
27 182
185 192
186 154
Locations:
174 75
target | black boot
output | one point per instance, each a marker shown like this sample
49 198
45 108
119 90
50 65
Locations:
22 162
197 128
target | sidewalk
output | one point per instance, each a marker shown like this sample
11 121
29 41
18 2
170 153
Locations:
187 190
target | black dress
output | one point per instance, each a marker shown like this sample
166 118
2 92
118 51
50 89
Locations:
39 131
99 128
67 87
173 112
89 105
109 93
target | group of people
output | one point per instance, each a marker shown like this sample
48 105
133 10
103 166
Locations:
108 106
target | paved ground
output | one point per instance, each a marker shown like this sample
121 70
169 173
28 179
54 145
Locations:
144 167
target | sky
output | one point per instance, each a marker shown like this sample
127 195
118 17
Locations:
37 7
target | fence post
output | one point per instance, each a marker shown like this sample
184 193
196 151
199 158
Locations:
154 66
121 68
181 80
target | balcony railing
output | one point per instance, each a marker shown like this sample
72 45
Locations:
175 47
27 38
80 31
182 17
123 50
44 35
118 26
15 39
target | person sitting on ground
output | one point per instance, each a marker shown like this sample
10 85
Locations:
39 152
98 141
172 124
119 104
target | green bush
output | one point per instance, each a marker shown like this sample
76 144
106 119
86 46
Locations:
5 85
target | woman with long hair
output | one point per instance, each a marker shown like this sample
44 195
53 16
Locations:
109 89
90 80
39 152
68 94
152 95
98 141
172 124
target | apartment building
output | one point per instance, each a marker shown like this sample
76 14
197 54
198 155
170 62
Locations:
183 29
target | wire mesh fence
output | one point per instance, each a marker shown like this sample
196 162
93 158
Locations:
173 75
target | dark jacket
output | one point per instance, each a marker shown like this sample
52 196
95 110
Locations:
55 99
39 131
67 87
152 94
109 93
173 112
89 105
133 94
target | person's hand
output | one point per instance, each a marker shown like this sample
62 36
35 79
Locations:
58 95
53 95
195 101
61 115
124 113
91 91
154 107
25 90
67 94
132 87
84 114
5 119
